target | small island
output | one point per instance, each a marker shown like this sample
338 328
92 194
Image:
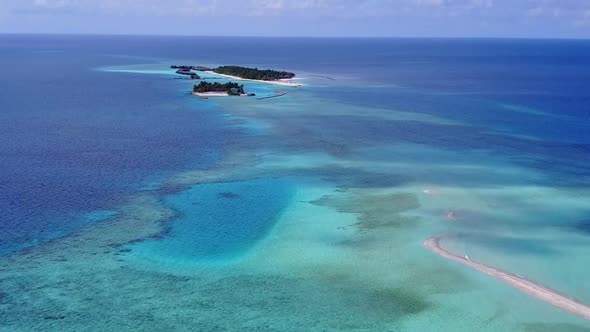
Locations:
241 73
187 71
254 73
185 67
206 89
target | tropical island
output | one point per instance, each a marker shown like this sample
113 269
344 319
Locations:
187 71
198 68
191 75
254 73
242 73
206 89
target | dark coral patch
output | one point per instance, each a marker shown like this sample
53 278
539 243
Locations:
229 195
375 210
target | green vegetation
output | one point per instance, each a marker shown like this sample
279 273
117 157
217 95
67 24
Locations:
232 89
254 73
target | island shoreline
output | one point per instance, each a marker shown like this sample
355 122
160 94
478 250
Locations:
216 94
284 82
524 285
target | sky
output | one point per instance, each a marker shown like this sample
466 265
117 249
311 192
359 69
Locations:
319 18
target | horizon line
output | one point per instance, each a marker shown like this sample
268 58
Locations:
95 34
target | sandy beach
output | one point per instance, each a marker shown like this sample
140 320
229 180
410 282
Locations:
215 94
283 82
522 284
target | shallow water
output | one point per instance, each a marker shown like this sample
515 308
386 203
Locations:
145 208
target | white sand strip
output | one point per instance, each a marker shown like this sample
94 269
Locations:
522 284
211 94
283 82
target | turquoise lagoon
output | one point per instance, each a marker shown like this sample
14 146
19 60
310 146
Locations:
219 221
148 209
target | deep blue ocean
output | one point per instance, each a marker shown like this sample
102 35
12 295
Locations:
76 140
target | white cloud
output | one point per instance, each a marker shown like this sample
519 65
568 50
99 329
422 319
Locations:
572 12
50 3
